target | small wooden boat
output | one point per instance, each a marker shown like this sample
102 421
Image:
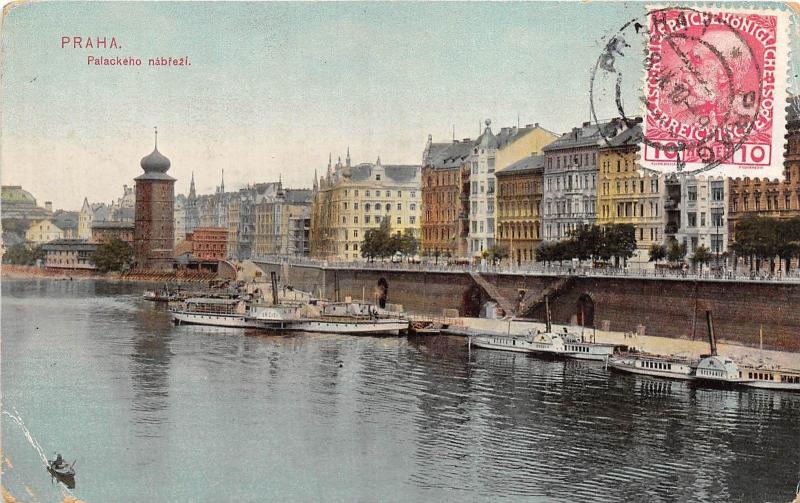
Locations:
64 472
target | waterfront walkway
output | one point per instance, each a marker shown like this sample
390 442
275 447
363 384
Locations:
740 275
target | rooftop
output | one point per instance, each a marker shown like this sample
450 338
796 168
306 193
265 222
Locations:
529 164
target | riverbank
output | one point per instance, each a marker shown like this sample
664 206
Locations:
692 348
22 272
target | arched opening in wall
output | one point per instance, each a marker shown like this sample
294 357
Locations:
383 292
585 310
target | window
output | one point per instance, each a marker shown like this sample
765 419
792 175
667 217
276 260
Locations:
702 218
388 207
367 193
399 206
355 219
366 219
717 194
691 193
366 207
399 220
692 218
412 220
377 177
413 207
377 206
413 194
388 194
399 193
356 192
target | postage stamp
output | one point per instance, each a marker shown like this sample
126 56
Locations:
715 90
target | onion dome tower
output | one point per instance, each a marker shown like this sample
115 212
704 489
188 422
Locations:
154 220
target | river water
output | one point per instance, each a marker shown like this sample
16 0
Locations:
162 413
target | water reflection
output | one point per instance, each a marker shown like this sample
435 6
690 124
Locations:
360 418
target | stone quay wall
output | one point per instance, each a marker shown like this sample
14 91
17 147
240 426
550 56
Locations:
647 306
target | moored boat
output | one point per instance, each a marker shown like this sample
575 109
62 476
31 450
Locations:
211 311
354 318
502 342
668 367
770 378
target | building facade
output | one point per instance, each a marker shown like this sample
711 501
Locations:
105 231
773 198
570 178
696 212
75 254
154 232
628 194
43 231
445 212
208 243
349 200
282 223
519 200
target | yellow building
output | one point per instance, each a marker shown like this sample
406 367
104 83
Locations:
349 200
520 143
43 231
627 194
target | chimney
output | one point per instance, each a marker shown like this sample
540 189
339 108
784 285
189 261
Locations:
466 139
530 125
535 124
48 205
712 339
586 124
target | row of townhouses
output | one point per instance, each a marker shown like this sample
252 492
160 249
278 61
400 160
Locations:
526 185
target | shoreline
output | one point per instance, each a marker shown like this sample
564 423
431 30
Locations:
10 272
651 343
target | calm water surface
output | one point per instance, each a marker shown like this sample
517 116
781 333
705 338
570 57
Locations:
201 414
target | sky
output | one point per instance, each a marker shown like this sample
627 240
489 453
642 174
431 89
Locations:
273 88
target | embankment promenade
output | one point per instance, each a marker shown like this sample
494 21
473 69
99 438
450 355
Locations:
672 307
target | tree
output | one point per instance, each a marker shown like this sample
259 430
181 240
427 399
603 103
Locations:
701 256
379 243
496 253
23 254
657 252
620 239
409 244
676 252
112 255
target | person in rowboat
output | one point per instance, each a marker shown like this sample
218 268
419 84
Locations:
59 462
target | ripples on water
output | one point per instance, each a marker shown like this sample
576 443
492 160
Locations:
309 416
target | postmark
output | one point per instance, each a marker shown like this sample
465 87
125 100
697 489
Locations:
714 88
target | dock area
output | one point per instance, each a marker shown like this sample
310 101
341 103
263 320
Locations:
692 348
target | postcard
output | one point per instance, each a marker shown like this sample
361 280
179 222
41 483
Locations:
400 251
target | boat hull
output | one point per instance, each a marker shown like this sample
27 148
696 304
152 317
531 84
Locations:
772 385
621 367
212 320
349 327
500 347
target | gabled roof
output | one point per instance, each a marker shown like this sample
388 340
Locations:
629 137
400 173
529 164
588 134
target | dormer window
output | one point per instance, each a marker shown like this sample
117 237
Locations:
377 177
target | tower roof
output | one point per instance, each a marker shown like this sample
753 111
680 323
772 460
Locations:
155 165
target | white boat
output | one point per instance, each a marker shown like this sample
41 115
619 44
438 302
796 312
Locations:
770 378
503 342
211 311
570 345
355 318
668 367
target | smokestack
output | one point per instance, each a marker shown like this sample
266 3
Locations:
548 327
274 280
712 340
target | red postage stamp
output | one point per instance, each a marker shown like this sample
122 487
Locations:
715 90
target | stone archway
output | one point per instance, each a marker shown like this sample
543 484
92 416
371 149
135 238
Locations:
383 292
585 310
